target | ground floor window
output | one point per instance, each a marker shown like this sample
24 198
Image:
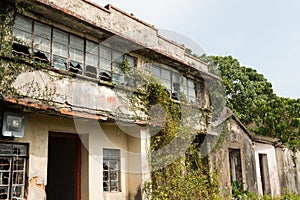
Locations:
13 162
111 170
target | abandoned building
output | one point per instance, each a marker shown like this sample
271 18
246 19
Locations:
67 130
64 134
259 163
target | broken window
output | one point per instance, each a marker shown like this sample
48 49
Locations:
110 66
236 175
42 42
175 83
111 170
91 59
60 49
76 54
69 52
264 173
13 162
22 30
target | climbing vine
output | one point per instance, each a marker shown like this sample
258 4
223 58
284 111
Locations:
178 171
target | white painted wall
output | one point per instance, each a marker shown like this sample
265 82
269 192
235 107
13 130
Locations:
268 149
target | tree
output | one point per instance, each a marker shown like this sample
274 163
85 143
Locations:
253 101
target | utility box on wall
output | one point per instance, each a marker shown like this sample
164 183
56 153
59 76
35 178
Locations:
13 125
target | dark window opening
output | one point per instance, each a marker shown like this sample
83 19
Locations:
19 49
40 56
91 71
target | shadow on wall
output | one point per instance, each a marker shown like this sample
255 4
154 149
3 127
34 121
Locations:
137 196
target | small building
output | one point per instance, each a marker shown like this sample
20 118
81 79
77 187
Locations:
232 154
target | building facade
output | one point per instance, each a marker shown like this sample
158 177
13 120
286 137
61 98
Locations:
68 127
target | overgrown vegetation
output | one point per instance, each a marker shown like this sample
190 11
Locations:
252 99
177 168
239 194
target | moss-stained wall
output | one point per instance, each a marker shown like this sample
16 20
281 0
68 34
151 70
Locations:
233 136
288 164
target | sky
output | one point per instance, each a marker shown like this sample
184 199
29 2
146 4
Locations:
264 35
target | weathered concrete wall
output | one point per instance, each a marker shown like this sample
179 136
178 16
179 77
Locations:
94 138
269 150
233 137
120 23
288 164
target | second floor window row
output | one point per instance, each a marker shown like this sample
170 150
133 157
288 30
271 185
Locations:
68 52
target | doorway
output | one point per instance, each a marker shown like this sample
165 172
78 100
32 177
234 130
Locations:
63 180
264 174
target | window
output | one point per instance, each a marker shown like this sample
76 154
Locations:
91 59
110 66
175 83
68 52
42 41
22 35
13 162
188 88
111 170
60 49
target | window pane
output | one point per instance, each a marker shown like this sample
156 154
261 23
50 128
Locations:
92 47
3 192
5 149
5 163
117 57
42 30
105 64
41 44
60 49
175 82
20 150
76 42
18 178
18 192
156 72
60 37
105 176
22 37
23 23
105 53
108 153
165 74
22 29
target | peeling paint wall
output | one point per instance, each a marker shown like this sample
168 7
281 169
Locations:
94 137
288 164
123 24
269 150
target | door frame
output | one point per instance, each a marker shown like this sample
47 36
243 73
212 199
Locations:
77 174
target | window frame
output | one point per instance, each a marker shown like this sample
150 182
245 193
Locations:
63 50
12 171
108 159
176 90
